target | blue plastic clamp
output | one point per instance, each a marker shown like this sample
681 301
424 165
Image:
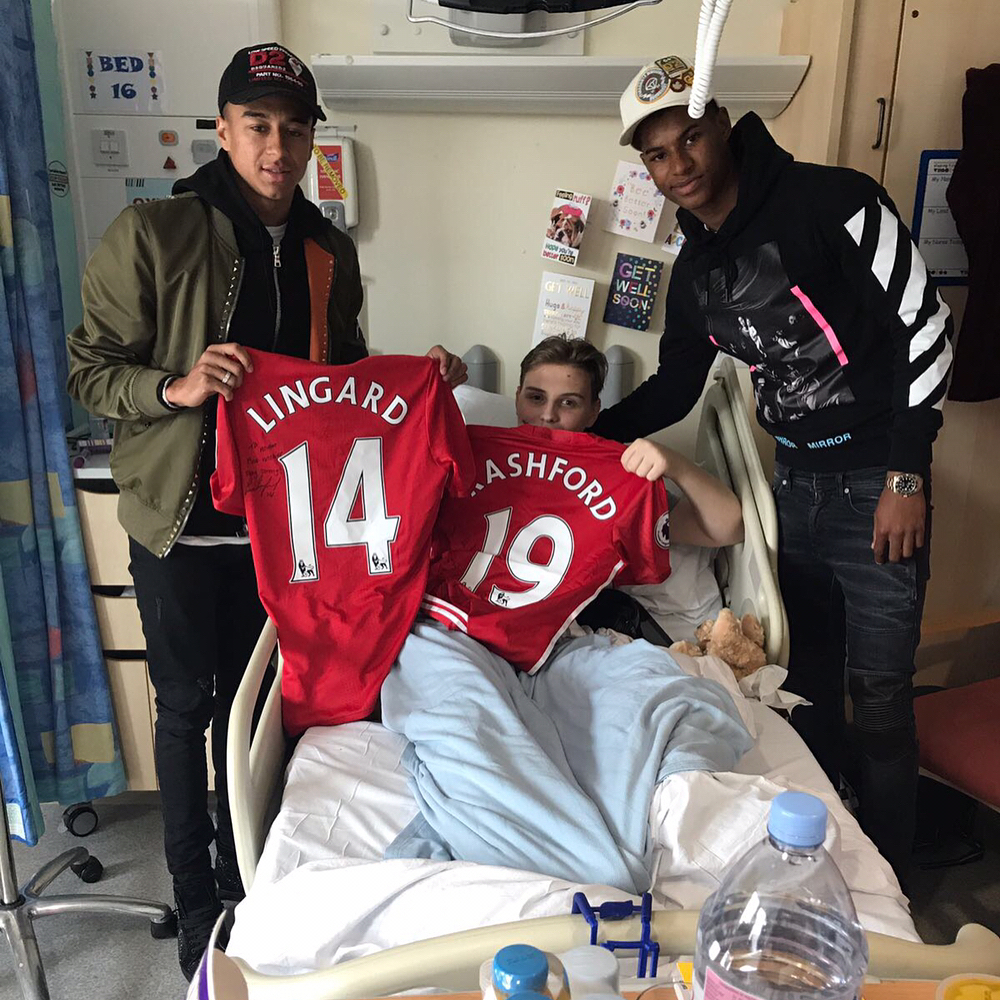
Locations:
648 949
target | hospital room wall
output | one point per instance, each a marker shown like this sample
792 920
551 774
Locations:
453 206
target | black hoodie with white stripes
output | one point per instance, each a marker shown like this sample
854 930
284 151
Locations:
814 282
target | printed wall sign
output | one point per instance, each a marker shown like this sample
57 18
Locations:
934 230
121 83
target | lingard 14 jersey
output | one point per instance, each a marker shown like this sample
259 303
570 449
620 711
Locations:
339 472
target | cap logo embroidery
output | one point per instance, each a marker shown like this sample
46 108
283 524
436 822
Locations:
668 73
274 64
651 85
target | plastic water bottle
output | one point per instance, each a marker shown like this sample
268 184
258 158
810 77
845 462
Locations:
782 924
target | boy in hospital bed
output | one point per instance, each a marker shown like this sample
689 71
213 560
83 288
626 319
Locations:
550 766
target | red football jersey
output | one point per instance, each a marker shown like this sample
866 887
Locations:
339 472
552 519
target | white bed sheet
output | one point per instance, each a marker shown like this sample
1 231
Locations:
323 894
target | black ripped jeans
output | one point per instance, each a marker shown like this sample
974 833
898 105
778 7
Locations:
845 610
201 617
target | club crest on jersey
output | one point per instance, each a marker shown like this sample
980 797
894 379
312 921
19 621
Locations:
661 530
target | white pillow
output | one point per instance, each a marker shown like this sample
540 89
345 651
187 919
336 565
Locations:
687 597
481 407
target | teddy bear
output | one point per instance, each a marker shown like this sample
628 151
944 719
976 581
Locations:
738 642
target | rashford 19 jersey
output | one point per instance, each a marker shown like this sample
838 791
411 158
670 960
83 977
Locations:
339 472
552 519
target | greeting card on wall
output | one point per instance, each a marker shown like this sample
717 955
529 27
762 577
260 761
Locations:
635 203
567 222
563 307
675 241
633 291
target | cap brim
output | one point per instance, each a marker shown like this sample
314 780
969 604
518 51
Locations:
625 139
256 93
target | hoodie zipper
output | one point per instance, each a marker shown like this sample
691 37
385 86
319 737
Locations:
277 294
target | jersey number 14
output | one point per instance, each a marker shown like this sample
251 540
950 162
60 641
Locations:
357 514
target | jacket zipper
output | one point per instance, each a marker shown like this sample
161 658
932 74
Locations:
231 299
277 295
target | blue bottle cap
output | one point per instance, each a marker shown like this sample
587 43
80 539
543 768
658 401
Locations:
519 968
797 819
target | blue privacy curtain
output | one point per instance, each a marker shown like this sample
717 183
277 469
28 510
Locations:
57 738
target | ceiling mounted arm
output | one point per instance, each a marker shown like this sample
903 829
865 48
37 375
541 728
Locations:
526 6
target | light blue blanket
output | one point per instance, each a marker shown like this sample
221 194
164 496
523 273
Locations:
552 773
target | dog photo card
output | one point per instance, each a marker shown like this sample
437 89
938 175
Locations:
635 203
563 306
633 291
566 225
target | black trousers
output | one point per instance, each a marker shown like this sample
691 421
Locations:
846 611
201 616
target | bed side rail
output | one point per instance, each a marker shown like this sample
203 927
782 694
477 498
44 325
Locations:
748 576
255 756
728 376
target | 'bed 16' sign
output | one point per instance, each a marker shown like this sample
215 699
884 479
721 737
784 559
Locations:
122 82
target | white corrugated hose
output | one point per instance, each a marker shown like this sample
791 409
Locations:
711 21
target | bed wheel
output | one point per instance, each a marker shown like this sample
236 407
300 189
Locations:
89 871
81 820
163 929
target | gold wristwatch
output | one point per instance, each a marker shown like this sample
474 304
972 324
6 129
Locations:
904 484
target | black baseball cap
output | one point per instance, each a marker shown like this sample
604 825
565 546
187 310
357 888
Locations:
268 70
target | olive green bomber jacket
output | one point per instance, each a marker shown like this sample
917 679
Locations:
161 286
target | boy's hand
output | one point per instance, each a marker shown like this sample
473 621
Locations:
646 459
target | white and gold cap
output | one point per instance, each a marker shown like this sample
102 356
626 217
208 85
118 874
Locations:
665 83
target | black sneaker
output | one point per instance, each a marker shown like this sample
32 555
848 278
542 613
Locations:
198 908
227 877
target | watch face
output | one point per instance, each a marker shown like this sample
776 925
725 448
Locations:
905 484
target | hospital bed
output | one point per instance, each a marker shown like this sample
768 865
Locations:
318 874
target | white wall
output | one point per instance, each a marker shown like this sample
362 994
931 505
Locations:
453 207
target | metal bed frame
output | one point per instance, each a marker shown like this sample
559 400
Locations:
256 756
